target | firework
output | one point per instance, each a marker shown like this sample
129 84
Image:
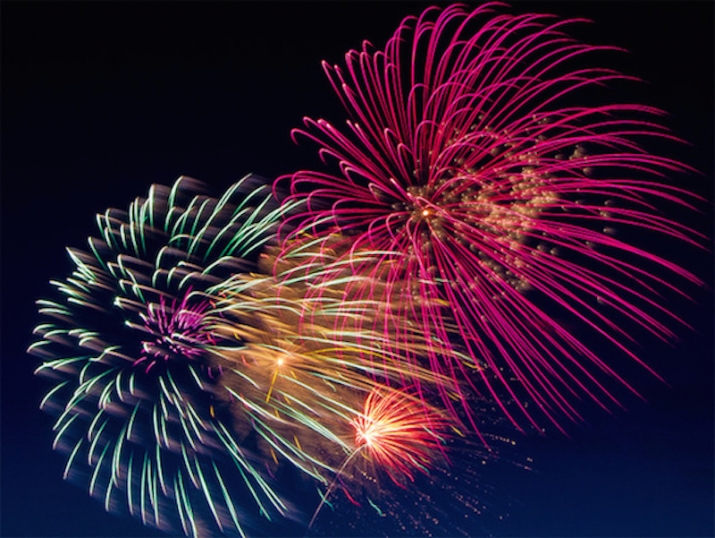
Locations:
488 189
397 433
441 475
299 365
139 413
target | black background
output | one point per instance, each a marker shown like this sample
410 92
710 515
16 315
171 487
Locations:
100 100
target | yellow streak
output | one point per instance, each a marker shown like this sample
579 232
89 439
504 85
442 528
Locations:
273 381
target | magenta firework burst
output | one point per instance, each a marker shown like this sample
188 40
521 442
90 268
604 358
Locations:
172 329
486 177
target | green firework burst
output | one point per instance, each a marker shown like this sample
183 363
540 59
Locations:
136 399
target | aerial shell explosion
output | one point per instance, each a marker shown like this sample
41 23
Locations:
139 413
477 168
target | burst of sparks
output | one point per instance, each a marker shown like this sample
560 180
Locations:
304 363
398 433
488 195
135 391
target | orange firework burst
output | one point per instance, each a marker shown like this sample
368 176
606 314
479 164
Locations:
398 432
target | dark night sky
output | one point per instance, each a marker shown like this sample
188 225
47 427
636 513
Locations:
99 100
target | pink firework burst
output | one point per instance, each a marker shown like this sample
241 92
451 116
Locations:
175 329
479 186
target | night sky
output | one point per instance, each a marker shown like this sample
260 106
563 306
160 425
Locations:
101 99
